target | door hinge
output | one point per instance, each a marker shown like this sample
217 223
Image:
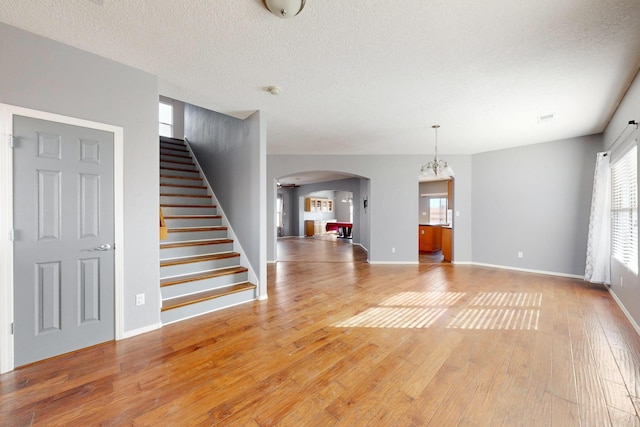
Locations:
12 141
12 330
12 235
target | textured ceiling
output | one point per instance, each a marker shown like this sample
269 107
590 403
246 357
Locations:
371 76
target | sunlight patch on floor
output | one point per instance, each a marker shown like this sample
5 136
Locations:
424 299
507 299
405 310
393 317
496 318
521 312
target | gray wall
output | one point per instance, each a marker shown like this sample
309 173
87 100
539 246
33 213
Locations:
342 211
391 192
535 199
628 290
229 151
42 74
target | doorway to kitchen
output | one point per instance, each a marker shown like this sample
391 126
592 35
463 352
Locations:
435 221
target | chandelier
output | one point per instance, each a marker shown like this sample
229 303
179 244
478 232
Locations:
436 169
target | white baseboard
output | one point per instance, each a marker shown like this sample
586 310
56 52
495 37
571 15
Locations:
360 244
393 262
525 270
139 331
624 310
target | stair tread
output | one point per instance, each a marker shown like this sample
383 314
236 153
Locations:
191 178
206 295
183 154
164 168
201 196
201 275
174 144
177 151
195 243
188 229
177 163
198 258
202 187
192 216
179 205
172 140
172 158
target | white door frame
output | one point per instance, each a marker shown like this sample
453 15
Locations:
6 220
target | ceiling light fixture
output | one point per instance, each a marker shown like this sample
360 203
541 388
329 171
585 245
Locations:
284 8
436 169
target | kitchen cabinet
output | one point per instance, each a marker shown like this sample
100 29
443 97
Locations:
447 241
312 204
430 238
312 227
309 228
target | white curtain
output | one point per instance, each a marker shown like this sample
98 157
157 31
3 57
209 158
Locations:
597 269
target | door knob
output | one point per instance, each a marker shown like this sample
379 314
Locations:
103 247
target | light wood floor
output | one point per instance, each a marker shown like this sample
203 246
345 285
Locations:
352 344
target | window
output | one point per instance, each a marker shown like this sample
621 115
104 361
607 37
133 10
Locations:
166 120
437 210
280 211
624 210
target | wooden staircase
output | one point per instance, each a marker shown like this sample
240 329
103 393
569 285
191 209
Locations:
199 271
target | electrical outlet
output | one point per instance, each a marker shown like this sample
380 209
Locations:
520 255
139 299
393 250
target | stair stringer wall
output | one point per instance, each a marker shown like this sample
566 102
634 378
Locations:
237 247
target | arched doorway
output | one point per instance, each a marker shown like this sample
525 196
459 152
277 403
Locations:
312 203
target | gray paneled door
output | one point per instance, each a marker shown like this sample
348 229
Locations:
64 236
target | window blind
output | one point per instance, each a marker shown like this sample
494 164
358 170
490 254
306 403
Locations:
624 209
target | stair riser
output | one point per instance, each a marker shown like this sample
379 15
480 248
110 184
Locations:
201 285
199 210
185 173
192 267
191 167
193 222
171 158
181 181
183 190
180 200
193 310
195 235
194 250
